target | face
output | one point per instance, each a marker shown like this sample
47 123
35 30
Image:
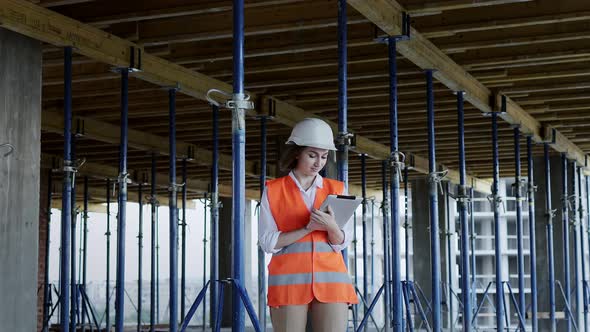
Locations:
311 160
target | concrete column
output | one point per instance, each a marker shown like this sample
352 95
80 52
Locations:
20 125
541 238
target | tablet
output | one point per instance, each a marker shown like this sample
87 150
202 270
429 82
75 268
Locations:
342 206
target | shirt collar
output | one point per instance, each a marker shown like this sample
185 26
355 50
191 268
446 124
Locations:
318 181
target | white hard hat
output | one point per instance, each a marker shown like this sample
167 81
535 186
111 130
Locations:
314 133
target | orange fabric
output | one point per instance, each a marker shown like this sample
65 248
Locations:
290 213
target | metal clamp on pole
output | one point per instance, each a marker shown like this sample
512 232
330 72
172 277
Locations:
496 201
345 139
175 187
406 31
462 196
234 101
550 215
397 161
437 178
124 178
518 187
152 200
134 59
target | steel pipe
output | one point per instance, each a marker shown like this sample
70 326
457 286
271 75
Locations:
153 224
462 200
550 252
519 225
396 174
433 207
122 205
214 217
66 207
532 235
173 213
497 242
566 239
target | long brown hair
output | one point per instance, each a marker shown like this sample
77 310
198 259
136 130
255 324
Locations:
289 156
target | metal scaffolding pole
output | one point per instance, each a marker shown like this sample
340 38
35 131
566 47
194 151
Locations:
582 247
364 224
173 214
433 180
578 287
238 171
85 250
154 221
122 205
261 261
343 135
406 222
66 201
550 254
532 236
463 199
519 224
472 236
566 240
139 255
108 253
397 166
386 251
46 285
214 217
204 258
183 244
496 201
73 282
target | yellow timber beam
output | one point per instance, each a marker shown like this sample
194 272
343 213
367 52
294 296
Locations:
387 15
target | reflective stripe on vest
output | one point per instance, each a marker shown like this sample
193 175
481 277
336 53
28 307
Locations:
306 278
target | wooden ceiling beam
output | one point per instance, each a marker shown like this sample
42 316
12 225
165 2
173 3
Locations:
387 15
42 24
511 23
437 7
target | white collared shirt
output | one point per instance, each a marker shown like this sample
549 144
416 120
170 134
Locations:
268 232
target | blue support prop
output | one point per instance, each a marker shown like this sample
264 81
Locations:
519 226
261 261
66 207
154 221
578 253
173 213
582 247
406 222
365 294
462 200
550 213
472 236
433 198
85 247
238 172
122 205
343 135
73 282
183 244
108 253
386 251
396 174
214 216
532 235
566 237
139 256
496 206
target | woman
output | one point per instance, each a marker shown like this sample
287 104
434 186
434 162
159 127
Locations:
307 272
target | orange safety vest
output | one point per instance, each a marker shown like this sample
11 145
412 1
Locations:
308 268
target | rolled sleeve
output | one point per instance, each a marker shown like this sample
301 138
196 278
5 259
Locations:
268 232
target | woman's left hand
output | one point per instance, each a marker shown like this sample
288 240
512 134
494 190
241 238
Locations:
323 220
